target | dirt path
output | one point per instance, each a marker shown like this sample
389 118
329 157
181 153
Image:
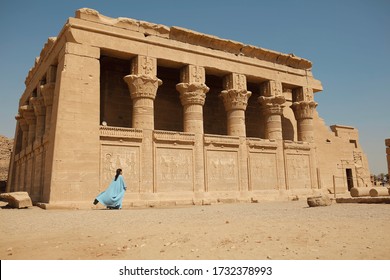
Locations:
266 230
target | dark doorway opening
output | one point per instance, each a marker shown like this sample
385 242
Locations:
349 178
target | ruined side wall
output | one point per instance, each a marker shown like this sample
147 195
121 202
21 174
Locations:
336 151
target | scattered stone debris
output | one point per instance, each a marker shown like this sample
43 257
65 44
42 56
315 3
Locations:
17 199
321 200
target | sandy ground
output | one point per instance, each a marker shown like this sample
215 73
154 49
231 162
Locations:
266 230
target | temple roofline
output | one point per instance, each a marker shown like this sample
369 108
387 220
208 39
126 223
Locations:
201 44
196 38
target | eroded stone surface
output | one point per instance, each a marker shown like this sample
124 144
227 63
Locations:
17 199
322 200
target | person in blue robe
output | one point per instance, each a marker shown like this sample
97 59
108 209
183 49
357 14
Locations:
112 197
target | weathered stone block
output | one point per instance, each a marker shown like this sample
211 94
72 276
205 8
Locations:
321 200
17 199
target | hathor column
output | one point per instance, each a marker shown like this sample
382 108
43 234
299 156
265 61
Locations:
192 96
143 84
235 99
304 109
271 105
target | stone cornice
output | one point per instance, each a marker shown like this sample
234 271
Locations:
300 145
173 136
120 132
196 38
221 140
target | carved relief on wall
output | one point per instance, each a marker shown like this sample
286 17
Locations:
174 170
222 171
303 94
124 157
263 171
361 171
298 171
143 65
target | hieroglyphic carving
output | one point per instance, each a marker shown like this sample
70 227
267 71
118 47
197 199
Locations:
234 81
124 157
298 171
174 170
263 171
120 132
271 88
222 171
144 65
361 171
173 136
193 74
303 94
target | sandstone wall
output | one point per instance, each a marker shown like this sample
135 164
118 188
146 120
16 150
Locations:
338 149
5 156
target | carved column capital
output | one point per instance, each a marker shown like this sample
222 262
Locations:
38 105
272 105
27 111
47 92
192 93
235 99
304 109
142 86
22 123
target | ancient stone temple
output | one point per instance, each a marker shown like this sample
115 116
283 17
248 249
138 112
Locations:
189 117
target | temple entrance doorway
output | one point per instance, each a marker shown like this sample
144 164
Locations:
349 178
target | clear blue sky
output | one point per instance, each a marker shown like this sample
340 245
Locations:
347 41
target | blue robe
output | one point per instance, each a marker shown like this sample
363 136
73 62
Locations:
113 195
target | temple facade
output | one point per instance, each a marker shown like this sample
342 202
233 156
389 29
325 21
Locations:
189 117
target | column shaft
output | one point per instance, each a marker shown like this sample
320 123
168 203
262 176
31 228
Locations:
193 118
143 113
